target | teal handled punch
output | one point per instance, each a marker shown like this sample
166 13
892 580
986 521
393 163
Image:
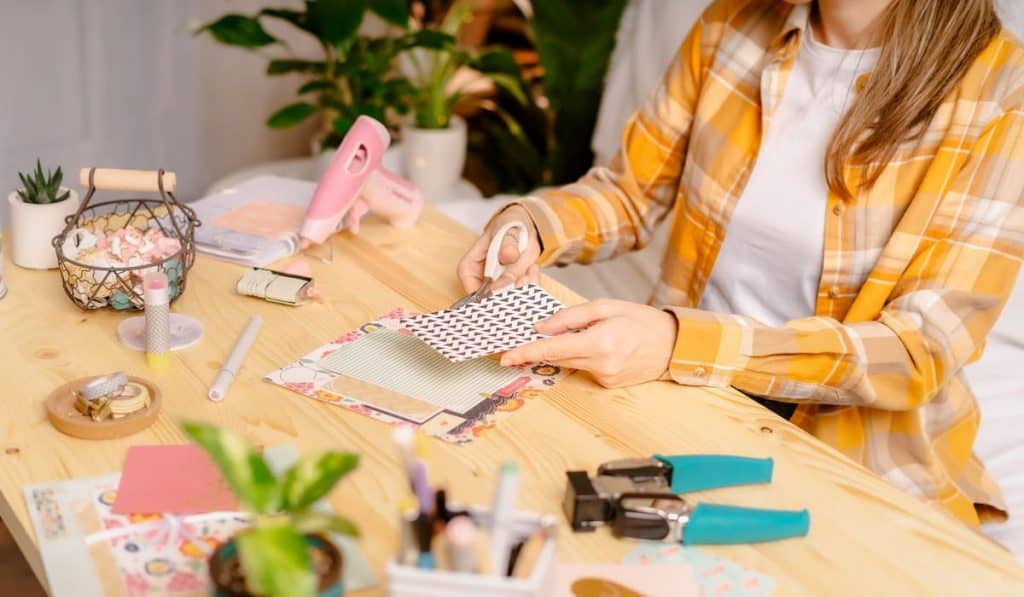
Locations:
639 497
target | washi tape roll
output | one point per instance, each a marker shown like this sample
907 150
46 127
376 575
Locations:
104 385
185 332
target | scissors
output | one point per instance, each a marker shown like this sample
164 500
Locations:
492 265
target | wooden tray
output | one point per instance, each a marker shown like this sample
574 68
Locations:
60 409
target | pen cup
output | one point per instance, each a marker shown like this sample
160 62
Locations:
409 581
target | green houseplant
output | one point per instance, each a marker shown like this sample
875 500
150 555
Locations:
442 75
285 551
38 210
353 75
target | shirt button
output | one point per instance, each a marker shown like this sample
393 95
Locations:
700 372
833 292
838 209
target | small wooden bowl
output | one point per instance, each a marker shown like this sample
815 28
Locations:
60 409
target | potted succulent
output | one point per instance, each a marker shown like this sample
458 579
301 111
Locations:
442 74
285 552
38 210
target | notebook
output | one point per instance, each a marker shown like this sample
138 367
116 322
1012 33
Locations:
253 223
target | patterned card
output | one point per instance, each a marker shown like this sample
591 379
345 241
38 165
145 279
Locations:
715 576
380 370
495 324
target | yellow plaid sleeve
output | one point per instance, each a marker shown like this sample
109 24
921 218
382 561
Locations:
965 259
616 208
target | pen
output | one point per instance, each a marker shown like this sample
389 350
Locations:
528 555
424 537
403 438
408 550
421 487
233 363
501 513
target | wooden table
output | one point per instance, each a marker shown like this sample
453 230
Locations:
866 536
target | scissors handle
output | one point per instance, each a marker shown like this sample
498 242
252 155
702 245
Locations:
492 265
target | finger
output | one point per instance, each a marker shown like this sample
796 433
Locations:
555 349
532 274
509 252
577 317
471 267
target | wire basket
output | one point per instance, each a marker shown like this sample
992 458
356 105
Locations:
119 287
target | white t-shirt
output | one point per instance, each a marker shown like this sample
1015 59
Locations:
769 265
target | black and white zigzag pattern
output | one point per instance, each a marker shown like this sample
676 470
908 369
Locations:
498 323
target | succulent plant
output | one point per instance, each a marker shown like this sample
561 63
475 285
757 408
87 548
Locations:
41 188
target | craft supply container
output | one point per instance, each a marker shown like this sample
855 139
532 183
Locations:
408 581
93 286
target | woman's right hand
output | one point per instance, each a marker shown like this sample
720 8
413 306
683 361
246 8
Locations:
520 268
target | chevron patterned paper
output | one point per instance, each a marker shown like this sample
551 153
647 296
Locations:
497 323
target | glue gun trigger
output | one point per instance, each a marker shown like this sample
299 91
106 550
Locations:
355 213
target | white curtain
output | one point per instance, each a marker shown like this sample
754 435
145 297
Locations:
123 83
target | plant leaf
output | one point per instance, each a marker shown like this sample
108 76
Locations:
238 30
276 562
395 12
290 115
317 85
244 470
282 66
309 523
511 84
313 476
337 20
456 16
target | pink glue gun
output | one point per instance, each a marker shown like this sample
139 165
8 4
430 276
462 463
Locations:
355 183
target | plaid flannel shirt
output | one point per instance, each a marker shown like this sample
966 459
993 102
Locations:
916 269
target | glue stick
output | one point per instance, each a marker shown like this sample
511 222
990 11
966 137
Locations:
158 320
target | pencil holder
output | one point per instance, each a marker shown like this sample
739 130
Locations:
148 234
408 581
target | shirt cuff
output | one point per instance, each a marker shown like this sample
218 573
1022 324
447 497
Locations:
707 350
547 224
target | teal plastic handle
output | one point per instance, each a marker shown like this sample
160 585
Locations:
707 471
719 524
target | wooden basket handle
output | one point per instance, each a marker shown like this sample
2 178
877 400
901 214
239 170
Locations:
112 179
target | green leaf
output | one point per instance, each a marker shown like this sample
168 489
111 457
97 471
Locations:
429 39
276 562
337 20
282 66
311 523
457 15
244 470
290 115
511 84
238 30
313 476
318 85
395 12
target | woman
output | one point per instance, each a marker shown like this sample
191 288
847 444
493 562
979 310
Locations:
844 180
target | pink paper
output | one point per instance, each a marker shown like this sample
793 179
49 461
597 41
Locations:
171 480
264 218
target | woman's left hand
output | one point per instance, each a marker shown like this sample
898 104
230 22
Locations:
620 343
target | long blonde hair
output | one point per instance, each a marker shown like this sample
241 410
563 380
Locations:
926 48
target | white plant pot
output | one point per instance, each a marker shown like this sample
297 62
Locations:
432 159
33 228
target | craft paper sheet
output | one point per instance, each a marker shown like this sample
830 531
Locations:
89 551
495 324
714 575
173 479
381 371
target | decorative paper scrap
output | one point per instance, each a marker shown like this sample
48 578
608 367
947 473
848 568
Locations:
381 371
171 479
623 580
495 324
715 576
90 551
